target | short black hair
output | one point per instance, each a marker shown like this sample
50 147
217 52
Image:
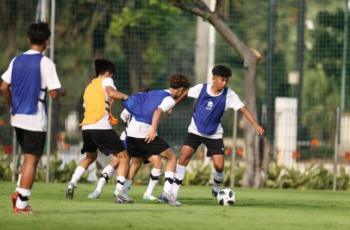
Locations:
222 71
103 65
178 80
38 33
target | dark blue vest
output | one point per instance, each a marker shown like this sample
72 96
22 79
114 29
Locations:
142 105
208 111
26 83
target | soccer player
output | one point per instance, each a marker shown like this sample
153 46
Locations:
136 163
205 127
97 129
26 83
142 139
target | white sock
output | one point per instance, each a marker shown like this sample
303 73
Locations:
120 185
179 176
218 180
153 181
105 175
23 196
168 183
79 171
127 186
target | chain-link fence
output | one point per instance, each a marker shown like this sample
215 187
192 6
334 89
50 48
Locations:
299 80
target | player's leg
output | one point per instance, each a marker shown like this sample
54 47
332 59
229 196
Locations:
156 162
28 171
106 174
32 144
216 152
133 169
219 175
189 147
78 173
170 166
90 148
122 172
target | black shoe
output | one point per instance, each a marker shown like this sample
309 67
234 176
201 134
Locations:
214 193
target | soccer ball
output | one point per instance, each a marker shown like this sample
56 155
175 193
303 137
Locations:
226 197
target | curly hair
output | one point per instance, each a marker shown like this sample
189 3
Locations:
178 80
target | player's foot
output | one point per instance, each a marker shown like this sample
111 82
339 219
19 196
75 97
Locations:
70 191
214 193
14 199
123 199
26 210
169 198
94 195
150 197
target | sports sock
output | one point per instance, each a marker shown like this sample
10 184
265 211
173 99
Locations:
127 186
179 176
218 180
153 181
79 171
119 185
168 183
105 175
23 197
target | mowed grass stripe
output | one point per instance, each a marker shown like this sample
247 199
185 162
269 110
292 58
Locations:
255 209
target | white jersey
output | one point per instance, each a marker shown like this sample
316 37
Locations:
139 129
103 123
232 101
49 80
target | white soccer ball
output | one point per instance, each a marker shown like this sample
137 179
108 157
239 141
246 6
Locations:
226 197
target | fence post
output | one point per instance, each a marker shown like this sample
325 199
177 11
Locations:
336 149
233 155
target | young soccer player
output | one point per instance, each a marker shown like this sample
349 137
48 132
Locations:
142 139
136 163
26 82
97 129
205 127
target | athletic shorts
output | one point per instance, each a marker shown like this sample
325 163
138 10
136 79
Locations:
138 147
31 142
214 146
105 140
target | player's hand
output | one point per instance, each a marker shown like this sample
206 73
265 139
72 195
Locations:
260 130
151 135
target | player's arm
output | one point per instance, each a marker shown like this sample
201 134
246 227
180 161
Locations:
155 121
115 94
5 89
182 97
250 117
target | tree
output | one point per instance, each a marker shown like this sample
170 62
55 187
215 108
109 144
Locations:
250 57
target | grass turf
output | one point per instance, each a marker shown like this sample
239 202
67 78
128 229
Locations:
255 209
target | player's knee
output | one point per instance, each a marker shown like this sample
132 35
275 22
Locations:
158 164
183 161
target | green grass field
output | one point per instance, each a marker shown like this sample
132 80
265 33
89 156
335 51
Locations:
255 209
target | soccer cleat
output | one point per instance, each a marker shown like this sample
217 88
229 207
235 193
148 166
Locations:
94 195
70 191
169 198
14 199
123 199
26 210
214 193
150 198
